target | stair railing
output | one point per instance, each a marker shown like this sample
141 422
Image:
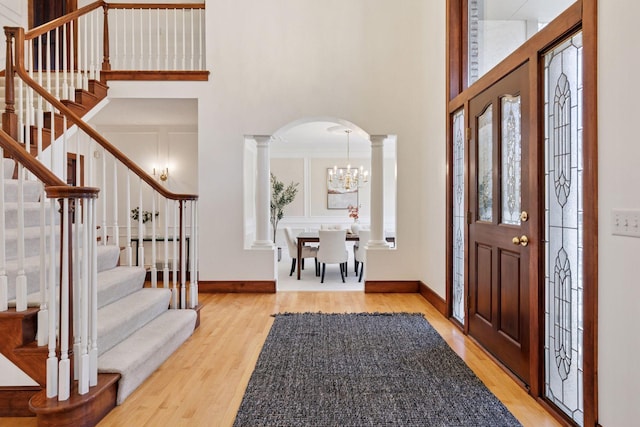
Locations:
61 320
40 115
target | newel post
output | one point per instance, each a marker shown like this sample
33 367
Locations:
9 117
106 65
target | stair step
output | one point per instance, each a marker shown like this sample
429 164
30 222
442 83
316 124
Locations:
119 319
31 214
118 282
31 190
9 166
144 351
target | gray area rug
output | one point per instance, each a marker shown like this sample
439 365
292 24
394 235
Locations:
364 370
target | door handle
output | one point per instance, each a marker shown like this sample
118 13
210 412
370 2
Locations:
522 240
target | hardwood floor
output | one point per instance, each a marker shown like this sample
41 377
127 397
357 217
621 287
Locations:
202 384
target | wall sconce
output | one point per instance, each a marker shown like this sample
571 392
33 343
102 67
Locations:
163 174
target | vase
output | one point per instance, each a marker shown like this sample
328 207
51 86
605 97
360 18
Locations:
355 227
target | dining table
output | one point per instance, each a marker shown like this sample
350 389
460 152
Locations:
314 237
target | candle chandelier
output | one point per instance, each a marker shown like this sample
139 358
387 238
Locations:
347 180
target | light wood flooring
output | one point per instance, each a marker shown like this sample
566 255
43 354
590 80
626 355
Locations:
202 384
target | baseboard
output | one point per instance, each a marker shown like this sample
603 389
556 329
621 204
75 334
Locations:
391 286
434 299
14 401
239 286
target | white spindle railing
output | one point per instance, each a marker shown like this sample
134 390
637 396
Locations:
175 45
68 220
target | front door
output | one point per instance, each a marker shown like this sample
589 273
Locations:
498 221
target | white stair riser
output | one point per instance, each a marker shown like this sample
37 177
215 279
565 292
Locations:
31 215
31 191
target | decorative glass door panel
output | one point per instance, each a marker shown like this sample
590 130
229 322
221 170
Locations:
564 227
511 160
458 216
485 165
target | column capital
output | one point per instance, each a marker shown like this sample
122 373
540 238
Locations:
378 140
262 139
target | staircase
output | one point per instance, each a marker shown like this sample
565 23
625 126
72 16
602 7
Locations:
137 331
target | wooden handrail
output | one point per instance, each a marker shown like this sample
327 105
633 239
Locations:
155 6
21 71
54 186
45 28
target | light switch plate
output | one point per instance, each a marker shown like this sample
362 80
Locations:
626 222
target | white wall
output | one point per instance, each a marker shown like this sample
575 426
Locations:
13 13
376 63
619 152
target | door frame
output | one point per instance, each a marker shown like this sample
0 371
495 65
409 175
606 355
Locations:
581 15
71 5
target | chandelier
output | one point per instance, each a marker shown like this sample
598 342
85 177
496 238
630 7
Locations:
347 180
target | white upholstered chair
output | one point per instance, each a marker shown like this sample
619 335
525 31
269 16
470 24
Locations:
307 251
359 251
333 250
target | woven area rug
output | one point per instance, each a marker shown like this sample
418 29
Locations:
364 370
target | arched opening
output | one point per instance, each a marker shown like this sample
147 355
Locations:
302 152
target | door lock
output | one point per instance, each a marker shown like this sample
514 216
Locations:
524 216
522 240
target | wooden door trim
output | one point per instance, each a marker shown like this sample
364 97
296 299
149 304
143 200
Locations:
581 15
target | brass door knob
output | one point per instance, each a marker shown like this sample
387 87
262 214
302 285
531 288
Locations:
522 240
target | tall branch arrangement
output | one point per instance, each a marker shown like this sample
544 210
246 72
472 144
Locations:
281 196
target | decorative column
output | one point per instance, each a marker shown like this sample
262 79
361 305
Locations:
263 194
378 240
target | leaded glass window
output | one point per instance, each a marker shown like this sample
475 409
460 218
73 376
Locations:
564 228
511 160
458 216
485 165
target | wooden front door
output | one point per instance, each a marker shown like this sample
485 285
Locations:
498 223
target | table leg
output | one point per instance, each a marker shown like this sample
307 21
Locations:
299 257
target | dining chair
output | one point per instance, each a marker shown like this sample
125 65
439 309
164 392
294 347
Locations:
359 251
333 250
307 251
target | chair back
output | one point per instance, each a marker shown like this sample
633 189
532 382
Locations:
333 246
331 227
292 243
363 239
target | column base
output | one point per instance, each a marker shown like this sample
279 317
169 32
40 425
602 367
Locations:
263 244
378 244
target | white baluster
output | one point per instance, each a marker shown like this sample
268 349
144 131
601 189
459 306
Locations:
175 39
85 253
165 270
114 201
193 252
154 269
150 44
174 244
140 226
52 359
93 352
129 254
158 64
141 39
64 384
166 40
57 61
184 41
21 279
183 265
191 66
105 198
43 313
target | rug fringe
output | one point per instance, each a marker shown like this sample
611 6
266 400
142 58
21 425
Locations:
375 313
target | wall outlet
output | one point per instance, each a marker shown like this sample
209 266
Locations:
626 222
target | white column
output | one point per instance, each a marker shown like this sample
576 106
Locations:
378 240
263 193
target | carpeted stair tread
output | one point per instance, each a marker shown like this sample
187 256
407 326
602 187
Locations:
121 318
9 165
31 214
31 190
118 282
108 256
143 352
